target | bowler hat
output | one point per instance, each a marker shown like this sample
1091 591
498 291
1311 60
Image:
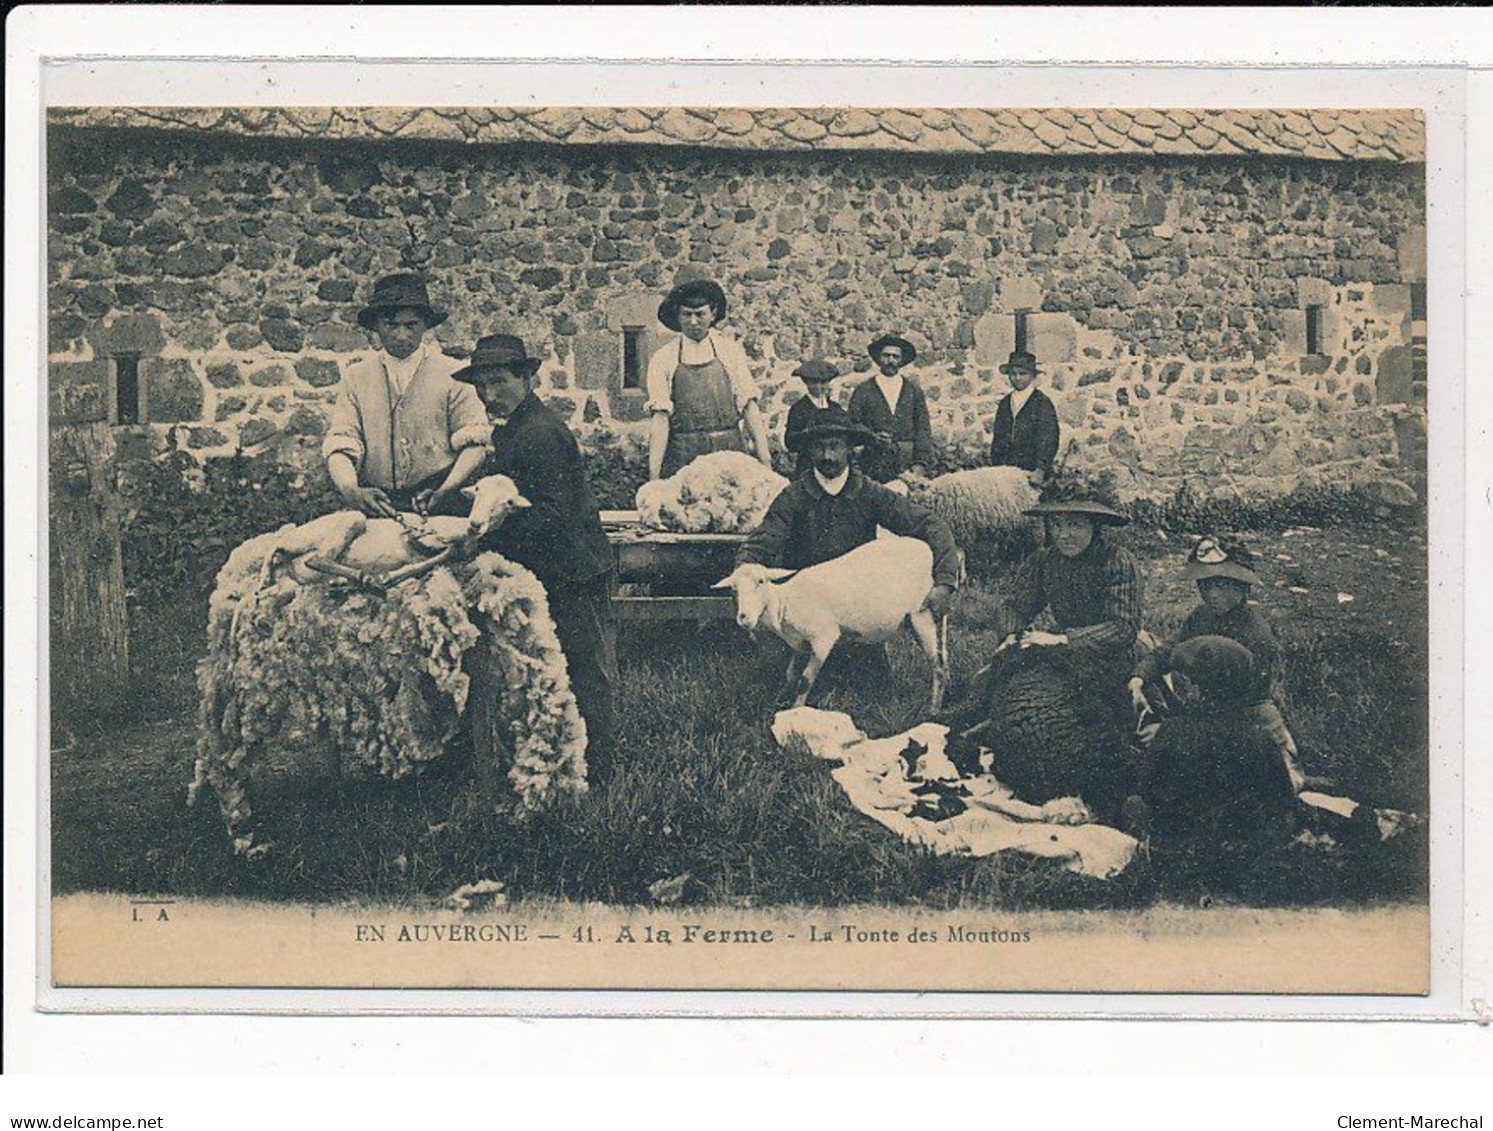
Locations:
691 290
1219 557
831 423
909 351
1020 361
498 351
816 369
831 412
400 292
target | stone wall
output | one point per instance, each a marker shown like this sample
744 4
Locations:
1168 296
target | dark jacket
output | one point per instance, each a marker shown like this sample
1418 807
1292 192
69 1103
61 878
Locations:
1095 599
559 536
805 526
1030 440
909 427
1245 625
802 413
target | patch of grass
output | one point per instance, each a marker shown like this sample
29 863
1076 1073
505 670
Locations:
702 790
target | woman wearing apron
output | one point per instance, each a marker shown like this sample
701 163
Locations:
700 389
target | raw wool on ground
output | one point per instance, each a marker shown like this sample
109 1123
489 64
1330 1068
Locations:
303 674
980 501
875 775
719 493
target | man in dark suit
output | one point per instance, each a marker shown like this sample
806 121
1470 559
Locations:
1026 423
559 536
893 407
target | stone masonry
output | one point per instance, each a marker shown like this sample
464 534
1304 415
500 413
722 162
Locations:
1167 295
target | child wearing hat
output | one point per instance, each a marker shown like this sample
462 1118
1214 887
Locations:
1222 569
1025 433
816 374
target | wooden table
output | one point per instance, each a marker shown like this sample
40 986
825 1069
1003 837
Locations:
684 566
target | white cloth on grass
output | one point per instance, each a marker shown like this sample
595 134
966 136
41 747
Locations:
874 775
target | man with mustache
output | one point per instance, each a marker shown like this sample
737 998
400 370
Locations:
835 508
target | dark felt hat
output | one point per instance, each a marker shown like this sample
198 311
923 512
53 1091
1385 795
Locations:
831 412
691 290
498 351
909 351
400 292
816 369
833 422
1221 668
1093 497
1220 557
1020 361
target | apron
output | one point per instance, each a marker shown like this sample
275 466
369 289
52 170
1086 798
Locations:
704 417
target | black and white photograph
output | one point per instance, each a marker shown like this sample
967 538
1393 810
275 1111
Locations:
738 548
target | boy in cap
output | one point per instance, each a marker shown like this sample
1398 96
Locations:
1026 423
1222 569
700 388
816 374
402 434
559 535
894 408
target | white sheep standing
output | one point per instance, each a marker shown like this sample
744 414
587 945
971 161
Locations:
979 501
380 552
868 594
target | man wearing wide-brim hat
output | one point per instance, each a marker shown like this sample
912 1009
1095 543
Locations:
893 407
403 435
701 394
559 535
1052 701
816 373
834 508
1026 432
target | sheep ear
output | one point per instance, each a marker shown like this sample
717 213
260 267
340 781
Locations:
469 492
520 502
726 582
778 574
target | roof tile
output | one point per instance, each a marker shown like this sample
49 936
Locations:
1328 135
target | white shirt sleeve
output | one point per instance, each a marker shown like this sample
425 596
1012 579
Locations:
660 382
738 369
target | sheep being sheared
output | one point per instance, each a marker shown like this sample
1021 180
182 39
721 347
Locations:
379 552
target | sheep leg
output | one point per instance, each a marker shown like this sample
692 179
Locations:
820 650
415 569
789 692
337 569
931 640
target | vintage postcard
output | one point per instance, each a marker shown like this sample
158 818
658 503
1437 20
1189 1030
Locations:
915 547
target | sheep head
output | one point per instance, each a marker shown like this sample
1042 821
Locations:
494 498
749 581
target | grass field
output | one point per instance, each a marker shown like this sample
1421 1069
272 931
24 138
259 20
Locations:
702 791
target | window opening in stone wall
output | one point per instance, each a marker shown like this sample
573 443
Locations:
127 398
632 357
1020 338
1417 302
1314 328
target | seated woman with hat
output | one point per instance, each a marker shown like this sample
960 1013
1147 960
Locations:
1026 424
700 388
1051 704
1224 573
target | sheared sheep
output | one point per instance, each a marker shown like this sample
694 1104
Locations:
867 594
379 552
